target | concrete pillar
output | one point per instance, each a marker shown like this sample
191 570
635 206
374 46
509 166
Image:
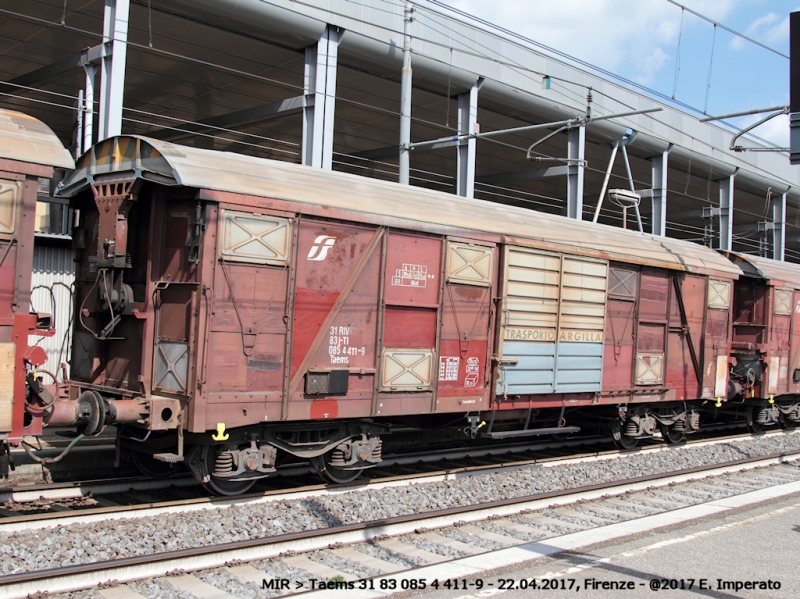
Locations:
112 86
467 123
779 226
576 145
659 199
320 92
726 213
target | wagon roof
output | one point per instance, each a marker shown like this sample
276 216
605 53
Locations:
782 274
27 139
173 164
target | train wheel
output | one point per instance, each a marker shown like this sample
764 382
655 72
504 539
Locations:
750 419
670 435
786 423
217 485
626 442
331 473
149 466
620 440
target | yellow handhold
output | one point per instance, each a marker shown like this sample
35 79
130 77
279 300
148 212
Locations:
221 434
752 392
771 400
482 424
719 402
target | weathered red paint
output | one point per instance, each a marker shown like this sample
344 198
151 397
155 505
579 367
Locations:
349 291
16 321
324 408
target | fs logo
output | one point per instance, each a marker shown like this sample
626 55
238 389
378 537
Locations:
319 251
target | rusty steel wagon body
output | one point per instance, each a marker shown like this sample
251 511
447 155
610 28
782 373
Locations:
765 348
29 150
231 309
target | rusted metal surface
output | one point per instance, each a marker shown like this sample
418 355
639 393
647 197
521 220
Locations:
776 272
263 292
687 362
793 359
750 317
765 323
18 186
27 139
223 171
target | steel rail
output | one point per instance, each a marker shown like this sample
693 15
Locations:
89 575
146 509
85 488
76 490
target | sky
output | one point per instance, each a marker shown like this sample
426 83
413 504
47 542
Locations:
641 40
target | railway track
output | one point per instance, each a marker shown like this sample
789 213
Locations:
58 499
661 493
456 522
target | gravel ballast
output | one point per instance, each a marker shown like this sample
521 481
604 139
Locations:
84 543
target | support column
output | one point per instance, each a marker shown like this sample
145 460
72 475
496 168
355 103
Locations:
320 91
112 86
779 226
405 99
576 145
467 124
78 138
88 106
726 213
659 199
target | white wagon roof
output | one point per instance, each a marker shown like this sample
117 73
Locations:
27 139
782 274
172 164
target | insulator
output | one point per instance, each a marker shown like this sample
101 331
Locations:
631 428
224 463
680 425
763 416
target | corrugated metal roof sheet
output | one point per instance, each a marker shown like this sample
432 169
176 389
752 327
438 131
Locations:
775 271
225 171
51 293
27 139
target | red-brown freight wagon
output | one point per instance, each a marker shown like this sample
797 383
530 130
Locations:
765 373
230 308
29 150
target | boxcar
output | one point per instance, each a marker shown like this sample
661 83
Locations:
29 151
765 371
232 309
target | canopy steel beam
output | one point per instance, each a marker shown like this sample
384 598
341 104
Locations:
726 213
319 106
576 148
90 71
239 118
553 171
406 80
659 198
89 56
467 123
112 72
779 226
